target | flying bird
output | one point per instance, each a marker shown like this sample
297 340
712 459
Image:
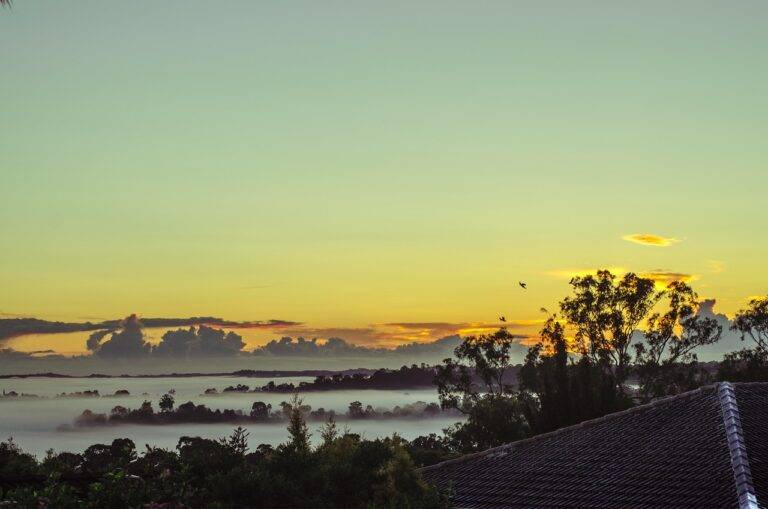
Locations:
502 319
523 285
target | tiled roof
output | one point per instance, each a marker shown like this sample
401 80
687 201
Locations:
704 448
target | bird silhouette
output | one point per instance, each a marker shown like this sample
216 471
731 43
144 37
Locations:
502 319
523 285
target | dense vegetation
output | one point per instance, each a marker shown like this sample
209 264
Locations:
592 360
343 471
404 378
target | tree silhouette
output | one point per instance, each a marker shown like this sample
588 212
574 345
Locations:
753 322
297 427
604 312
475 384
166 403
665 361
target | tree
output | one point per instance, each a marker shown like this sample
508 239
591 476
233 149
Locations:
355 410
665 361
559 390
166 403
260 410
402 485
238 440
329 431
546 376
145 410
604 313
746 365
118 412
753 322
475 384
297 427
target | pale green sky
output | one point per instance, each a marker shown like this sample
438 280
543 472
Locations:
353 163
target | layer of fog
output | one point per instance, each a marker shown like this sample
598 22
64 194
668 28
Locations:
38 424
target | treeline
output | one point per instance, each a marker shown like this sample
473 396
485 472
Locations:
407 377
88 393
404 378
615 343
344 471
260 413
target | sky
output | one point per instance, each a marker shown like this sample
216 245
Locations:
376 166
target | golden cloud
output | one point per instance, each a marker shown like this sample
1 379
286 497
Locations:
397 333
663 278
649 239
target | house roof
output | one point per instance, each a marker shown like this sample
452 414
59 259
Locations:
704 448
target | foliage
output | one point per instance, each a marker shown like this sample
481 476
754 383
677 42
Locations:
753 322
559 391
604 313
475 384
166 403
665 362
342 472
747 365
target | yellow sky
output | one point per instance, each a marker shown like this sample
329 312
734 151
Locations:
348 167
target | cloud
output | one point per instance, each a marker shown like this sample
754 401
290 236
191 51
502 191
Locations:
198 342
12 327
663 278
301 347
265 324
392 334
729 340
13 315
649 239
10 354
128 342
336 347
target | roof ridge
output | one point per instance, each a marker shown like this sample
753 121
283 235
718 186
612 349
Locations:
747 384
590 422
737 448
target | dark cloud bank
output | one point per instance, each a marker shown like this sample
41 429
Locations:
205 341
129 342
12 327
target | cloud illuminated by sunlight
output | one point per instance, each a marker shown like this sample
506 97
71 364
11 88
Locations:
649 239
662 278
397 333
